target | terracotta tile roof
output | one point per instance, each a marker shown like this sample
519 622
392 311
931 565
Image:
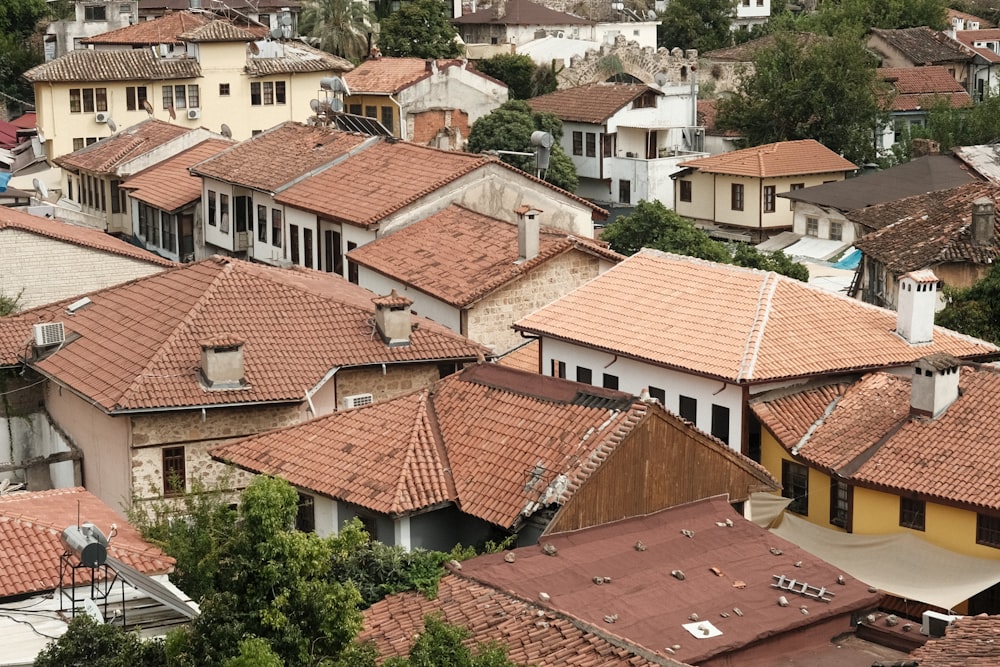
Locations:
105 156
968 38
86 237
650 604
520 12
388 176
531 634
387 76
492 439
785 158
868 434
219 31
86 65
983 23
295 58
169 185
218 5
136 346
460 256
163 30
708 112
524 358
925 230
30 526
920 87
971 641
799 409
26 121
922 46
737 324
591 103
278 156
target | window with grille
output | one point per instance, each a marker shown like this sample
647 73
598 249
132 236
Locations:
685 190
769 195
988 530
795 485
812 227
736 195
837 231
912 513
840 503
174 480
584 375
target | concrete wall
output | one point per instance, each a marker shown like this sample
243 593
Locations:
48 270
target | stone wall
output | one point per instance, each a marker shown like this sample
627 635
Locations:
398 379
624 57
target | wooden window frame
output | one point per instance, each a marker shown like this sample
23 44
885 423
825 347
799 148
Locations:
174 471
912 514
795 485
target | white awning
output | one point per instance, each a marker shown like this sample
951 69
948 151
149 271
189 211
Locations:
901 564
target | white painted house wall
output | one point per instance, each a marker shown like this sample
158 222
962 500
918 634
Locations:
802 211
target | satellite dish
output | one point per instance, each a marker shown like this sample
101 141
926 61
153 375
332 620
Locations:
651 14
112 125
543 139
660 78
276 33
314 105
227 132
148 106
286 19
334 84
336 105
40 188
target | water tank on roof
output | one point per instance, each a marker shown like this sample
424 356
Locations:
87 543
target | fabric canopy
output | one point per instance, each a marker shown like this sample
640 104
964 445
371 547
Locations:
766 507
901 564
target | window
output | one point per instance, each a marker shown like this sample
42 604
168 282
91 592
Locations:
268 92
224 213
387 118
591 144
176 97
836 231
912 513
584 375
74 101
261 223
95 13
193 97
608 141
736 196
720 422
795 485
307 247
293 242
168 232
354 109
211 208
610 381
352 267
625 191
101 99
812 227
223 90
174 480
88 100
558 369
264 19
117 197
796 186
305 517
685 190
658 394
769 199
840 503
988 530
276 227
687 408
578 143
645 101
255 97
371 112
135 98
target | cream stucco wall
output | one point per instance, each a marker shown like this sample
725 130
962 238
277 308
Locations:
44 270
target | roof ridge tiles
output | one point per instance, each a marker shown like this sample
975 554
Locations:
755 336
408 468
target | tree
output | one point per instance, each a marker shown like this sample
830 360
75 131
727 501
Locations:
443 645
825 89
857 16
509 128
696 24
19 18
87 642
974 311
523 77
979 124
420 29
653 225
18 23
340 27
10 304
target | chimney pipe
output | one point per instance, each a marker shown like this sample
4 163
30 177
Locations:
915 306
982 221
392 319
934 385
528 229
222 363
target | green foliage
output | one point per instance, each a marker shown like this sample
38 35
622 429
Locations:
420 29
254 652
975 310
523 77
788 96
857 16
10 304
951 127
696 24
509 128
94 644
19 18
340 27
442 645
653 225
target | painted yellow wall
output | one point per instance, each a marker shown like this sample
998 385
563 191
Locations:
377 101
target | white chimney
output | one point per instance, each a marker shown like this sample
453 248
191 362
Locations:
222 363
915 306
934 385
528 227
982 222
392 319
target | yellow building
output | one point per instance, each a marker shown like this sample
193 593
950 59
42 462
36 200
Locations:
185 68
899 455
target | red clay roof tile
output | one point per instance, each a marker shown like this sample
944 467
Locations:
784 158
388 76
970 641
165 29
113 65
169 185
920 87
591 103
105 156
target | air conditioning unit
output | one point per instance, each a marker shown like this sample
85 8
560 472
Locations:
101 117
933 623
357 400
194 114
49 333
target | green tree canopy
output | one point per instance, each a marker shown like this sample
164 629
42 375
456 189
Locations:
653 225
696 24
87 642
857 16
974 311
825 89
509 128
979 124
340 27
523 77
420 29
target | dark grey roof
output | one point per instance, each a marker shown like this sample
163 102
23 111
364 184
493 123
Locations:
923 46
926 174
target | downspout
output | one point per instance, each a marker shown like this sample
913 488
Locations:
312 392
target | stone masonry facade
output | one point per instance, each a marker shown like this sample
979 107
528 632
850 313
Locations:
398 379
625 57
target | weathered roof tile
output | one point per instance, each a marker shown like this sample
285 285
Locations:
784 158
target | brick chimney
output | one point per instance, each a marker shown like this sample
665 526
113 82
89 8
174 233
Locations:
528 228
392 319
222 363
915 306
934 385
982 222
